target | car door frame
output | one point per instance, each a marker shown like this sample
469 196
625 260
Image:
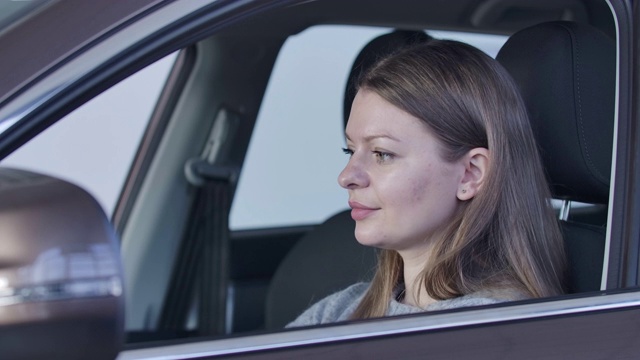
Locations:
439 334
552 328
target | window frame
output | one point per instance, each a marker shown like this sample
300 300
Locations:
47 104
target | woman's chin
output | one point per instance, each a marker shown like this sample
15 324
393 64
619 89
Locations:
371 239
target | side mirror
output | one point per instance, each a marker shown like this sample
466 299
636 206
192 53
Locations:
60 272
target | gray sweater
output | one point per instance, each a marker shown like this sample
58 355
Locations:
340 306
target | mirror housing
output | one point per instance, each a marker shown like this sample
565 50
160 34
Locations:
61 284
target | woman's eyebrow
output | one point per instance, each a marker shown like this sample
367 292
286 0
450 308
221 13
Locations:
369 138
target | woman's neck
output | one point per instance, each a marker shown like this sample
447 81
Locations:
415 293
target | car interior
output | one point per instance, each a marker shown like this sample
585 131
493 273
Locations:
265 277
558 112
189 275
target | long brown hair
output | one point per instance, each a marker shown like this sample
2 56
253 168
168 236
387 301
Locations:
507 235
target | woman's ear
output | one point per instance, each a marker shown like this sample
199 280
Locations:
476 165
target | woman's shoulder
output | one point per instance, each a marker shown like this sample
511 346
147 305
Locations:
482 297
336 307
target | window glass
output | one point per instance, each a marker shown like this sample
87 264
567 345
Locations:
94 145
305 96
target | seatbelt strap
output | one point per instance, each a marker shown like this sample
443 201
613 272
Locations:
202 263
214 274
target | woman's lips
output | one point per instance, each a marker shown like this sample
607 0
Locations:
359 211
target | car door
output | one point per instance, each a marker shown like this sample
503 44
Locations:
553 328
154 206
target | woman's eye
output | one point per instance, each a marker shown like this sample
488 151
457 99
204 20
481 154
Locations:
347 151
382 156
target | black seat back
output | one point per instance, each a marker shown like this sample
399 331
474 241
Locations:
566 75
324 261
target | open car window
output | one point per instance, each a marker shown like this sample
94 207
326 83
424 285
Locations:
219 161
287 183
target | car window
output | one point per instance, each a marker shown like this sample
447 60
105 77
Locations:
308 81
287 186
299 131
94 145
288 178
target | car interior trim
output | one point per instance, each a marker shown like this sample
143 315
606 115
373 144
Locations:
607 243
167 101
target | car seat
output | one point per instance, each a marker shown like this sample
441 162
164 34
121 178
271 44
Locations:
566 75
329 258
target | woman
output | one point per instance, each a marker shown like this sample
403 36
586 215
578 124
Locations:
444 176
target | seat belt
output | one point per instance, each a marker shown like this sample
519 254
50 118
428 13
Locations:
201 270
214 274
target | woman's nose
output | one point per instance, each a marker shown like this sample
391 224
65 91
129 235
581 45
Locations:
353 175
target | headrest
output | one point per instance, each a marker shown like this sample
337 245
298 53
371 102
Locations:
566 75
376 49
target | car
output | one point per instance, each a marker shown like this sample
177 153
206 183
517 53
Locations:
219 228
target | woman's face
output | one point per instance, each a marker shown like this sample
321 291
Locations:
402 193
